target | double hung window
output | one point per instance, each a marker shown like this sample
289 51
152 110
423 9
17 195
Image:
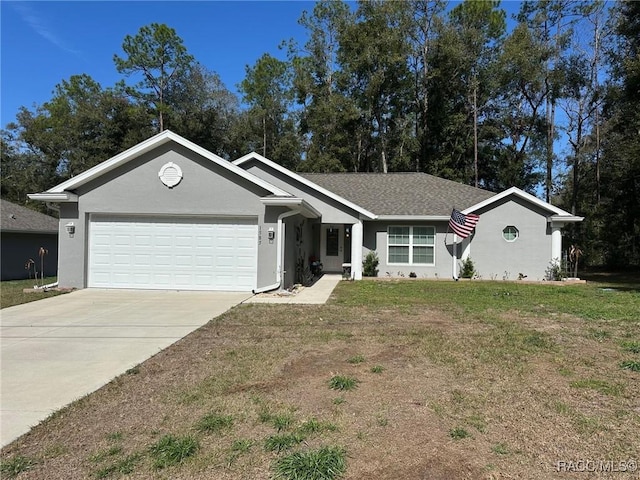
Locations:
411 245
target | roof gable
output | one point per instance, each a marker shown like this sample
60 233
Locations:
555 212
147 146
302 178
16 218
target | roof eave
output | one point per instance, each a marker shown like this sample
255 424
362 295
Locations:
523 195
57 197
565 219
431 218
295 203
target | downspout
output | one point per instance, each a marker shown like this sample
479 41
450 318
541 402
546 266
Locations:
279 248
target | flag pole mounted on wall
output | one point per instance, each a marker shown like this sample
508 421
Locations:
462 226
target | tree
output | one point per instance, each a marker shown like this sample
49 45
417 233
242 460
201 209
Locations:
373 54
620 181
478 25
203 110
268 91
81 126
156 53
329 118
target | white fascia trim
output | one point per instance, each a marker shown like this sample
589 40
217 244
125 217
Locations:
150 144
293 202
414 218
519 193
62 197
253 155
565 219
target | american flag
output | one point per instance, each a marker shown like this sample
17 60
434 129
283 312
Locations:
462 224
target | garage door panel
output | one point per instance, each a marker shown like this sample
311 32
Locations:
166 253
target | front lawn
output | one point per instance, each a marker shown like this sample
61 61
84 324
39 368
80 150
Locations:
12 291
390 380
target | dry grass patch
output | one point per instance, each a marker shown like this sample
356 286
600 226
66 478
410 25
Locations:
453 381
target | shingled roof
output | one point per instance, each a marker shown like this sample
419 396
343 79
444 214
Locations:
16 218
400 193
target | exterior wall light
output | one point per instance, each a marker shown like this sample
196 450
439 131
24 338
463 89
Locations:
70 228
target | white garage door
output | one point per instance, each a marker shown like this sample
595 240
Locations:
173 253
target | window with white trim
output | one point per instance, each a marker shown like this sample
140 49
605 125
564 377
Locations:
510 233
411 245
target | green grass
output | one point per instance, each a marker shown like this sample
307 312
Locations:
342 382
314 425
123 466
377 369
11 292
326 463
14 466
632 365
601 386
632 347
458 433
280 442
356 359
500 449
483 299
172 450
214 423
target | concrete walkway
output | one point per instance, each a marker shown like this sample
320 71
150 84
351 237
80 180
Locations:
58 349
318 293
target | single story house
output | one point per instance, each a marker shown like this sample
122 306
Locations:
29 242
168 214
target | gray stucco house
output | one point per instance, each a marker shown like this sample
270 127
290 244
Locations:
168 214
23 233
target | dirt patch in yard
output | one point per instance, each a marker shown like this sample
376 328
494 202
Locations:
437 397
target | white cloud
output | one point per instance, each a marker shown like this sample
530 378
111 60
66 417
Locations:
41 26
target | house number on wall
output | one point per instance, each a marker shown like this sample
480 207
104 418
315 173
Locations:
170 174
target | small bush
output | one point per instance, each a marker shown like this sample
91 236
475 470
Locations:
171 450
326 463
341 382
554 271
468 268
370 265
377 369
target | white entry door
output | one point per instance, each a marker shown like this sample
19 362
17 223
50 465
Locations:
332 239
181 253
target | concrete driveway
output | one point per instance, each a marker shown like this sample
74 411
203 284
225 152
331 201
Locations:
58 349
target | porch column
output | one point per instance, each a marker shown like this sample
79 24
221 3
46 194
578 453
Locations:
556 241
356 250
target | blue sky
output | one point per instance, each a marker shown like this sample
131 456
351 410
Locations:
43 43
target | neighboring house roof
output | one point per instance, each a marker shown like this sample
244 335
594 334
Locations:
401 194
62 191
16 218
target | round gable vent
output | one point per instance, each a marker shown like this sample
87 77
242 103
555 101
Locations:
170 174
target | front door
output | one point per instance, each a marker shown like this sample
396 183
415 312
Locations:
332 248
